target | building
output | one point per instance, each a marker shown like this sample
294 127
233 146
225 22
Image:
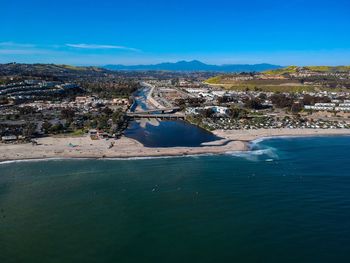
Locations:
220 110
9 138
81 100
120 101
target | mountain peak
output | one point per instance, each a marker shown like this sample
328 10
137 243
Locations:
196 65
193 62
196 61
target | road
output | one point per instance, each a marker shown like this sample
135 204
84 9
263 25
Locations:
151 100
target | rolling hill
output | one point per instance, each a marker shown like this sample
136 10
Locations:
196 65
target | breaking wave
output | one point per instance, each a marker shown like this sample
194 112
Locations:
195 156
257 152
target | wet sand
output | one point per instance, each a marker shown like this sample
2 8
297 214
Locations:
251 135
84 147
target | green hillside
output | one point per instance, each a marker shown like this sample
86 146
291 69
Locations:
320 69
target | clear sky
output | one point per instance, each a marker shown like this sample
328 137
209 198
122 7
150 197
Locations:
87 32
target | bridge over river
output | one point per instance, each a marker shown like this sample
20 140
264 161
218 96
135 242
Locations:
159 110
163 113
140 115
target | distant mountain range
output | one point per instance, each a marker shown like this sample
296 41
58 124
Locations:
196 65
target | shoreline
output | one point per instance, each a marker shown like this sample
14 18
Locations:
51 148
264 134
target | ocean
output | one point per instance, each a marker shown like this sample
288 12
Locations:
288 200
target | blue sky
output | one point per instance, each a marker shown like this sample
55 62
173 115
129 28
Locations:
86 32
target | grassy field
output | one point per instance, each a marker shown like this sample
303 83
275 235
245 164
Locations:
329 69
79 68
281 71
45 67
267 88
266 85
280 84
321 69
214 80
226 79
272 86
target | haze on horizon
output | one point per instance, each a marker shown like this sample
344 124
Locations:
85 32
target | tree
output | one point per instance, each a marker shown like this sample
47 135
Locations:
102 123
208 113
296 107
262 96
46 127
237 113
308 99
281 100
29 130
26 110
68 113
3 100
253 103
57 128
118 118
225 99
107 111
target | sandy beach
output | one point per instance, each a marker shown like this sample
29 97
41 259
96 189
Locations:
84 147
251 135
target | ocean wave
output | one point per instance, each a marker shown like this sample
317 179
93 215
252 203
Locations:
263 139
297 136
267 153
157 157
106 159
42 160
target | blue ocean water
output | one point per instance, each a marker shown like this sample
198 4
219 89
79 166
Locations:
288 200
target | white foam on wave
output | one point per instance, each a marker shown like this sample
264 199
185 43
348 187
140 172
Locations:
284 137
256 154
260 140
157 157
107 159
297 136
40 160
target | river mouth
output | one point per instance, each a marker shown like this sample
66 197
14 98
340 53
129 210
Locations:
155 133
168 134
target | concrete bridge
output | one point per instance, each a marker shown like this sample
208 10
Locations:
161 111
141 115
